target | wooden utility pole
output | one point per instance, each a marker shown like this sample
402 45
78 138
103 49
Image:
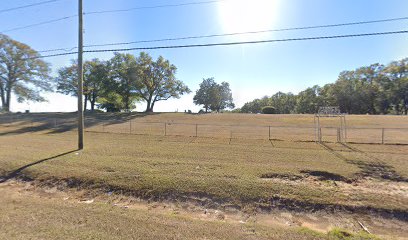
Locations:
80 78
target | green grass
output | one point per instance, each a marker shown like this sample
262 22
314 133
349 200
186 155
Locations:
179 167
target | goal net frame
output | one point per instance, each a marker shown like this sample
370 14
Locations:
330 112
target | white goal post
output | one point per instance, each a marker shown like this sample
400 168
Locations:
331 112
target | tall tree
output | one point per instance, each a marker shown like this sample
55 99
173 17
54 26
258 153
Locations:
214 96
156 80
21 73
308 101
397 73
203 95
222 97
124 72
96 77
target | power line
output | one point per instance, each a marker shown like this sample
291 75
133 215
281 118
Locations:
233 34
39 24
111 11
154 7
230 43
27 6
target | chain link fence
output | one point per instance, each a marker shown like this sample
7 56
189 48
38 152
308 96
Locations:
280 133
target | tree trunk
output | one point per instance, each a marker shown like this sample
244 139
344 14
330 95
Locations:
148 107
85 102
152 106
3 100
8 98
92 105
93 101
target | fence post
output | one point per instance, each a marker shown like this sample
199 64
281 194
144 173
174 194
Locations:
320 134
165 129
338 135
55 122
103 127
382 136
269 132
130 127
196 130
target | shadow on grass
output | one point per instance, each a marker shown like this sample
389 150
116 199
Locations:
376 169
17 172
324 176
63 122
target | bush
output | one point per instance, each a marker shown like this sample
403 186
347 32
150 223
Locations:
268 110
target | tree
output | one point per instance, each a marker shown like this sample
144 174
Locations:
123 76
397 89
222 97
203 94
96 77
308 101
156 80
213 96
22 73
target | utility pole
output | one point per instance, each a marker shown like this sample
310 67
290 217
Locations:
80 78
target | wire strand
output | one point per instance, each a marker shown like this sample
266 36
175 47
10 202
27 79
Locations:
154 7
231 34
39 24
28 6
229 43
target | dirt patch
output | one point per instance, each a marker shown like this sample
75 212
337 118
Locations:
319 221
291 177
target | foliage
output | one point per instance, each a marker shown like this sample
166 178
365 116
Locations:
123 76
155 80
21 73
375 89
96 78
214 96
268 110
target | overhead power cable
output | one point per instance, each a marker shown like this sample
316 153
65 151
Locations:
231 34
27 6
230 43
153 7
111 11
39 24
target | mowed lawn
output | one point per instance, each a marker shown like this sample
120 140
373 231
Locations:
218 172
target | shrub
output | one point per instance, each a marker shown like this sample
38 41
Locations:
268 110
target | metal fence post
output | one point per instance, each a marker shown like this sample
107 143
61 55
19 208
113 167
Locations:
165 129
338 135
382 135
320 134
130 126
196 130
269 132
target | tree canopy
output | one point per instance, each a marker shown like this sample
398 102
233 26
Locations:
22 73
374 89
117 84
214 96
156 80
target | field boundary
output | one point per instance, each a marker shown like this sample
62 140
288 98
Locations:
330 134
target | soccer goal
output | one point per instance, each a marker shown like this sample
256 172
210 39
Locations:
340 125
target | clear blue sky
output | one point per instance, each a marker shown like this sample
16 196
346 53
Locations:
251 70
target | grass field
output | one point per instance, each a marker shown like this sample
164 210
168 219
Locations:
243 175
360 129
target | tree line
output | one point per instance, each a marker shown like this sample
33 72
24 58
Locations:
374 89
117 84
114 85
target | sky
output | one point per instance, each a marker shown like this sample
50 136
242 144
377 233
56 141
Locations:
253 71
